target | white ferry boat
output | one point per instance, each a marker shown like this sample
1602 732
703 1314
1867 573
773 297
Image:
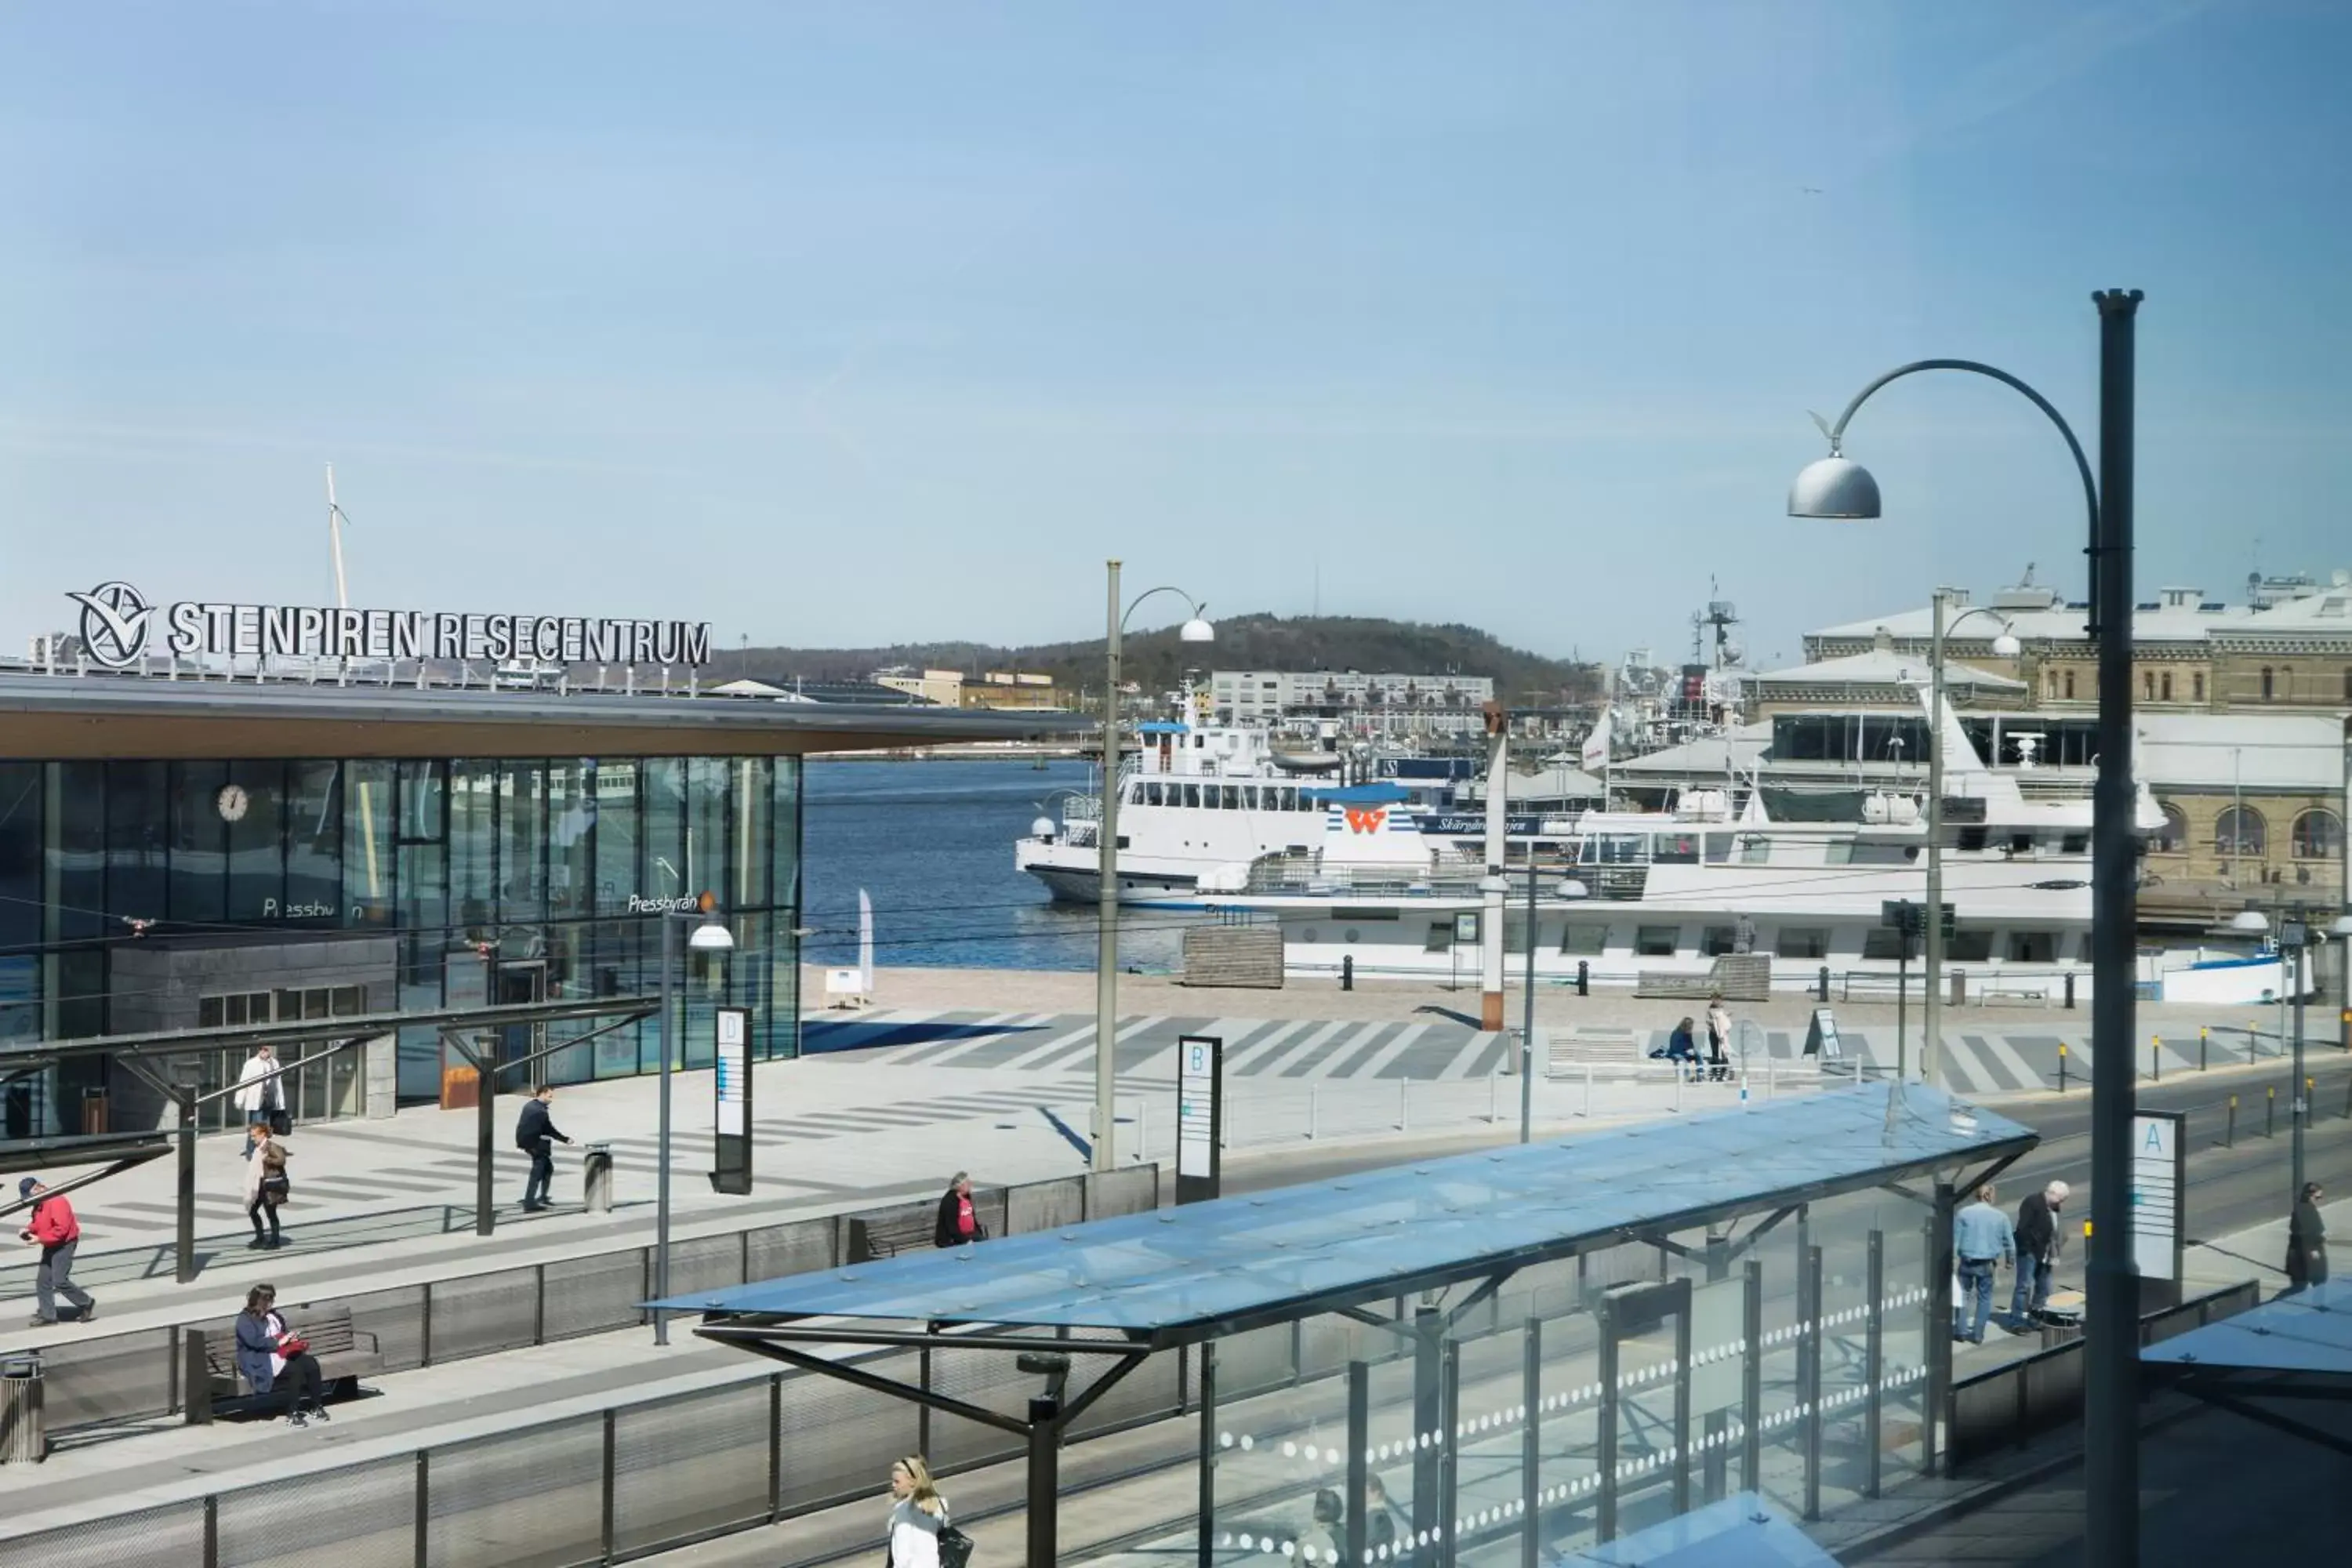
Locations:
1664 895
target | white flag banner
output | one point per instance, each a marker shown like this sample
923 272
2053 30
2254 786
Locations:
1596 744
865 940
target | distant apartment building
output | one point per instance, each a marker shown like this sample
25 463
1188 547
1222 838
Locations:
944 686
1266 696
997 690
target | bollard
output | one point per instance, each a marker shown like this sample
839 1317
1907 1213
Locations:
596 1173
1824 983
2155 1060
2070 991
2230 1128
2270 1114
1347 973
1583 978
2062 1067
2200 1050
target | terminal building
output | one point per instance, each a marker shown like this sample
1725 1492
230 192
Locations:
216 834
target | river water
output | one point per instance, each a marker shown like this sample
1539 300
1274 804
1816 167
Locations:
932 844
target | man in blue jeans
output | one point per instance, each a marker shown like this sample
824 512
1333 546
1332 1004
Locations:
1981 1242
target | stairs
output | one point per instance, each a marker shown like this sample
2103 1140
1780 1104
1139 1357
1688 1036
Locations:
1249 957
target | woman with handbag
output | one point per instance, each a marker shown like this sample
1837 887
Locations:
920 1535
266 1187
272 1359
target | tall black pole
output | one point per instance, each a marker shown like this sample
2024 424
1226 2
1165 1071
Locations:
2111 1337
661 1179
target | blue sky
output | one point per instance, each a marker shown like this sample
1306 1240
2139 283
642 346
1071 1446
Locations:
851 323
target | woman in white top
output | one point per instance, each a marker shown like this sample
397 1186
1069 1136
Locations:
1718 1040
260 1091
918 1514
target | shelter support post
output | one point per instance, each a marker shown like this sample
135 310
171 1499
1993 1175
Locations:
183 1248
1809 1363
1682 1449
1044 1493
1449 1450
1752 1378
1428 1412
1206 1554
1360 1473
1530 1443
1605 1506
1714 1448
1938 1338
1873 1413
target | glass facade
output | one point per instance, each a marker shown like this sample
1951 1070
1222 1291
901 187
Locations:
498 880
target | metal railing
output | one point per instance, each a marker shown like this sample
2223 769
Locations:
141 1375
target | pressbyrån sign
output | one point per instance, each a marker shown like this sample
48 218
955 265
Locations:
120 625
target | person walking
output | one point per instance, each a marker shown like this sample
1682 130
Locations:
266 1187
2037 1254
1718 1040
274 1361
57 1233
2306 1241
261 1095
959 1220
536 1135
918 1514
1983 1241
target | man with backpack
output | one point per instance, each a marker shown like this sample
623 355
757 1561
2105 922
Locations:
536 1135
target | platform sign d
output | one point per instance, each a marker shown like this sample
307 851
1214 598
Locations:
1199 1116
731 1107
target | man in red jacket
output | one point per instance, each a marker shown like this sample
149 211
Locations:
56 1231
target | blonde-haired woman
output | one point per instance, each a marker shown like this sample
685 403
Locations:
918 1514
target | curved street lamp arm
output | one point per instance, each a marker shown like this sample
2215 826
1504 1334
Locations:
1163 588
2081 464
2006 624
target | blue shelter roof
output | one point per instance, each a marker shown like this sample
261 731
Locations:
2310 1330
1186 1274
1359 795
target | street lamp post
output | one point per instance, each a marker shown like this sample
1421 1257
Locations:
2004 645
709 935
1196 629
1835 487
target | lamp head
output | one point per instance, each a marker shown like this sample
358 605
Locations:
2341 928
1573 889
710 936
2250 922
2006 645
1835 487
1198 628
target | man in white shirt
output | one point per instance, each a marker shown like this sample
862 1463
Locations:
260 1094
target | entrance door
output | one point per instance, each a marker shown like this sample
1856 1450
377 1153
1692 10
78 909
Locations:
517 984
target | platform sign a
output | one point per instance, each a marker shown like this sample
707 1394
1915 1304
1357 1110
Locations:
2159 1168
731 1107
1199 1116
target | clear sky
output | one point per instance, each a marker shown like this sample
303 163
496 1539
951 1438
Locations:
854 323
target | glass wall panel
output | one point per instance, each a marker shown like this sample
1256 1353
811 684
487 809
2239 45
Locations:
368 858
314 843
748 973
20 854
571 838
138 869
76 869
661 874
522 841
784 893
570 977
706 827
752 793
616 972
618 846
472 847
255 806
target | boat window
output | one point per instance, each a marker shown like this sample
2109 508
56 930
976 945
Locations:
1232 797
1152 794
1192 796
1715 941
2076 844
1755 850
1623 848
2033 947
1803 941
1718 848
1249 797
1656 942
1966 946
1440 938
1861 852
2020 844
1882 942
1582 941
1972 838
1676 848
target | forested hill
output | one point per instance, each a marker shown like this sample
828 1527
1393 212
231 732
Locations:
1155 660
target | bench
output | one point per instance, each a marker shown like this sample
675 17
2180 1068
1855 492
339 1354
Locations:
886 1233
214 1385
2015 991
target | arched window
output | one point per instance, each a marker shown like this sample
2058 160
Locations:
2173 837
2317 834
2347 683
2240 830
2267 683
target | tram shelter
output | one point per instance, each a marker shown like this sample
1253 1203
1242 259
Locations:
1484 1358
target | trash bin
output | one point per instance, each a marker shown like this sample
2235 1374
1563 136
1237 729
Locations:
24 1439
596 1166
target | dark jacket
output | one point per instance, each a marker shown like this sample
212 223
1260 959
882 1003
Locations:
1680 1045
536 1127
946 1233
2037 1228
254 1344
2307 1245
